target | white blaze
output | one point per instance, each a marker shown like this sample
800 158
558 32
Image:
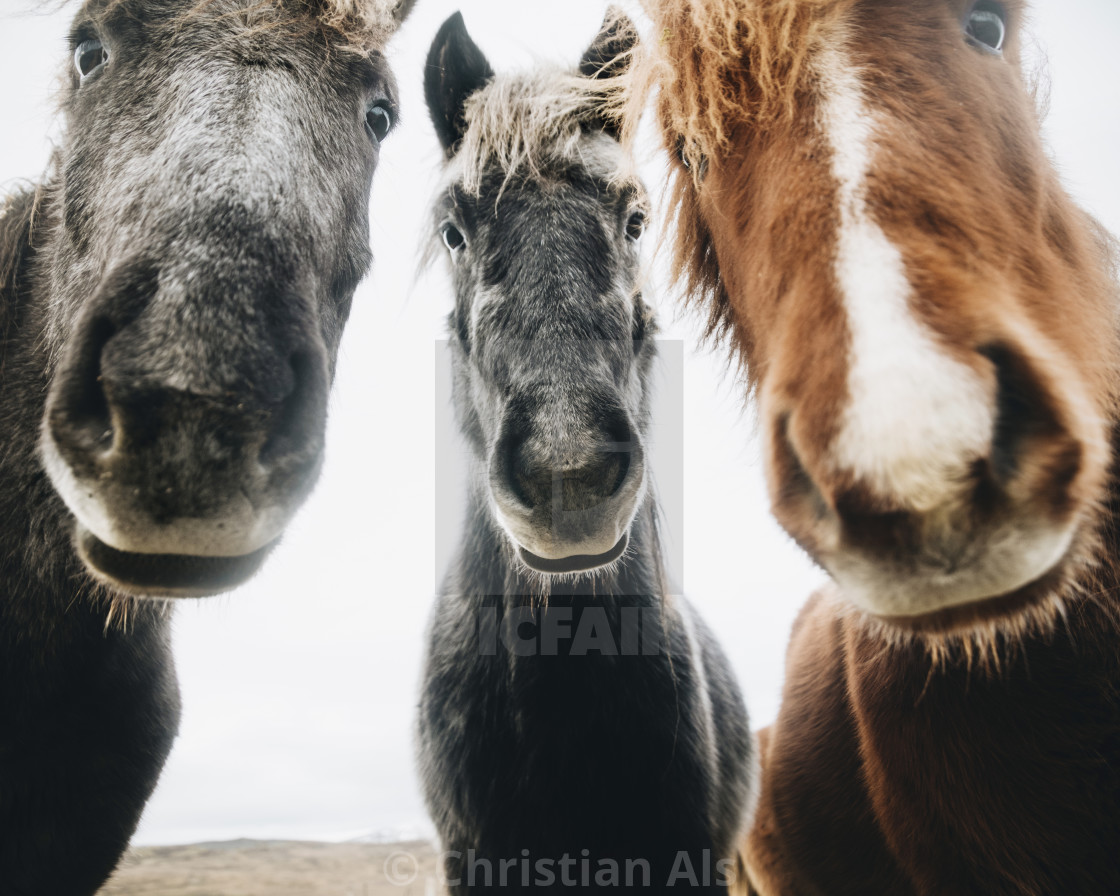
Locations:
916 417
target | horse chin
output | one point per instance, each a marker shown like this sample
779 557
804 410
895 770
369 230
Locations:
1035 604
576 563
917 573
166 575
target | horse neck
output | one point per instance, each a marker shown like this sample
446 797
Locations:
23 356
20 221
38 569
486 566
48 605
1103 580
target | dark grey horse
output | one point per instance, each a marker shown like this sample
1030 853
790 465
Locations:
578 726
171 302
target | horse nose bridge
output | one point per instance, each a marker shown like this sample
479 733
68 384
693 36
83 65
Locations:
914 432
248 142
222 358
232 332
902 422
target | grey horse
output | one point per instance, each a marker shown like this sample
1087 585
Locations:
172 296
578 725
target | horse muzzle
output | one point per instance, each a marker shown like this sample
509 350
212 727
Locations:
569 510
181 469
924 530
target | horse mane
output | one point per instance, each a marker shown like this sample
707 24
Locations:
360 24
17 223
711 68
696 68
701 51
526 121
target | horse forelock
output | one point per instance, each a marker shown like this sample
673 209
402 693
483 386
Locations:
710 67
362 21
360 25
524 122
719 63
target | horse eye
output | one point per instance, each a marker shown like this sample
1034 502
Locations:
452 237
635 226
89 56
682 155
987 26
379 120
686 162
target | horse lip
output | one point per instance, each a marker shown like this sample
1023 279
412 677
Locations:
575 563
166 575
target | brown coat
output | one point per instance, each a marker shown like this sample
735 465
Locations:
888 773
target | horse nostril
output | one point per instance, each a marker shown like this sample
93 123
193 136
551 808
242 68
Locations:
574 480
80 419
529 481
1026 419
595 482
296 431
794 485
614 454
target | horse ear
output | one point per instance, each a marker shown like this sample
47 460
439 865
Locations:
399 10
609 56
386 16
456 68
612 50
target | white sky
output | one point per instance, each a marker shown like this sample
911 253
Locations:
299 689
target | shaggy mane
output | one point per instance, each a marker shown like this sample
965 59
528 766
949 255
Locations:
524 121
17 222
719 63
361 24
711 66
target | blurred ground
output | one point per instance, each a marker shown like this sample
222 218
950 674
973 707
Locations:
277 868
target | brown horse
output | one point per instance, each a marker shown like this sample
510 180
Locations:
928 323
